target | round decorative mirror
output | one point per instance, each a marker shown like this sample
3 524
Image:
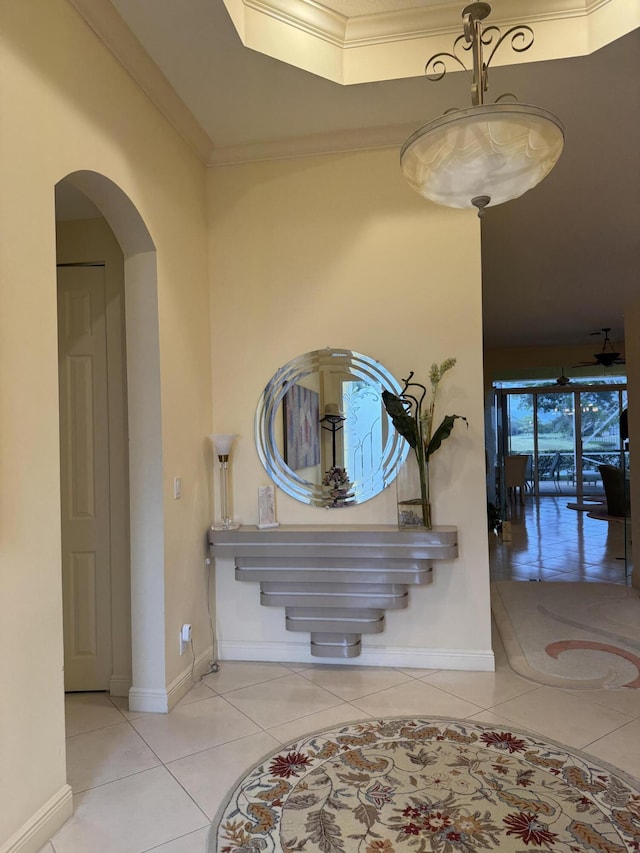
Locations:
322 432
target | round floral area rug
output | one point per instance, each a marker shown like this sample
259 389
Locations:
442 786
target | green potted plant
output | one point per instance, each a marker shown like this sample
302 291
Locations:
412 415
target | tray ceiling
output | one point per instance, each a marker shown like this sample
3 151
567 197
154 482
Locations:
558 263
361 41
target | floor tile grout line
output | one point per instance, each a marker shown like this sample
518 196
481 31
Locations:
127 775
319 711
165 764
608 734
340 699
154 753
189 795
305 716
171 840
409 678
97 729
285 674
269 731
108 782
488 707
198 751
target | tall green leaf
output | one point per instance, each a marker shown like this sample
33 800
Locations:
443 431
403 422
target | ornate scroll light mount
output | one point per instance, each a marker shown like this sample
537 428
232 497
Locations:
489 153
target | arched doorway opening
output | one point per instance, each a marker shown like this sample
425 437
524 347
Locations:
143 427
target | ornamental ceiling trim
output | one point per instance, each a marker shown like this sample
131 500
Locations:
318 38
606 20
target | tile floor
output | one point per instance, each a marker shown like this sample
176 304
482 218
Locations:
550 542
146 782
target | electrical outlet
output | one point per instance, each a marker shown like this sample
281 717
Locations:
185 637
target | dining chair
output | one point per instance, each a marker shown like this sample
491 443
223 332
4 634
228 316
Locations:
515 474
616 490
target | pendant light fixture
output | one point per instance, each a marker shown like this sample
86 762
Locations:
489 153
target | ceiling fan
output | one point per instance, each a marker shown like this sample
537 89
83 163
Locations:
562 379
607 355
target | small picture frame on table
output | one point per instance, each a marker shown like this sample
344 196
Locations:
266 507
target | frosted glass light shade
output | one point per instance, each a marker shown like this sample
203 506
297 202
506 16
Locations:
494 150
222 443
222 447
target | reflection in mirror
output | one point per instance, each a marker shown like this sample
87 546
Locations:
322 432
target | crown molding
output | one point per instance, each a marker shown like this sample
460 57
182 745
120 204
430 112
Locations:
394 44
366 48
358 139
346 32
107 24
305 15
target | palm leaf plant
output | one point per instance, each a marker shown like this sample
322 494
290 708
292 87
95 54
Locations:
412 414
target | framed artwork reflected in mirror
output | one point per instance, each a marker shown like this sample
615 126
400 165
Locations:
301 410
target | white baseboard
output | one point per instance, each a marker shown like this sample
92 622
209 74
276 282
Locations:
181 685
161 701
35 833
477 660
149 700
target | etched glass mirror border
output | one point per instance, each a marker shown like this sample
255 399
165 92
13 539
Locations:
318 370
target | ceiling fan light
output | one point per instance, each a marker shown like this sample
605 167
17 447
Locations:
495 150
606 359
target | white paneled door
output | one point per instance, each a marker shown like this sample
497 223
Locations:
85 499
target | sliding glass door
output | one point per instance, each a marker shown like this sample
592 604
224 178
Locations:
556 447
600 441
566 433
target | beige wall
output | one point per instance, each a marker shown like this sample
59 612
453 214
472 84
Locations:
66 105
337 251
